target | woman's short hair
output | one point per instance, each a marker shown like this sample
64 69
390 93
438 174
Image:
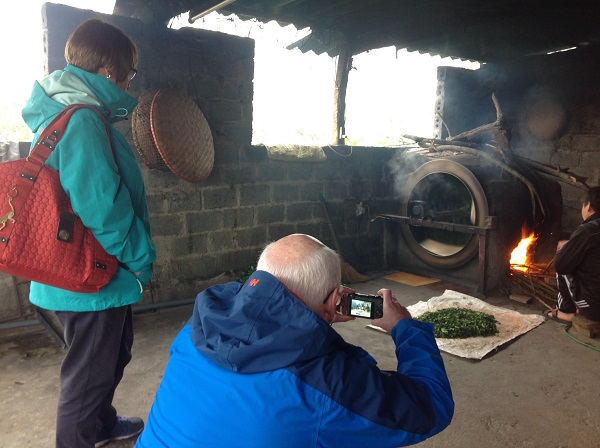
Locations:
310 278
95 44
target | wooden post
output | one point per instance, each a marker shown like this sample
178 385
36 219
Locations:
344 65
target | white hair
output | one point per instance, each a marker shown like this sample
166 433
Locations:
310 278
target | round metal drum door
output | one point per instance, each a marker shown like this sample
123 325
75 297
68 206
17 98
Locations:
443 191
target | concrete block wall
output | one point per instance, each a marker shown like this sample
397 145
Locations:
538 94
213 230
220 225
570 83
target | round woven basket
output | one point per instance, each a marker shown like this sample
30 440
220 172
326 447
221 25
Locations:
171 133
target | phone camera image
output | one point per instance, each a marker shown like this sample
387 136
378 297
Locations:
365 305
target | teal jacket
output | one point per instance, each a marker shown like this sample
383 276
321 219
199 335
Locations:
107 194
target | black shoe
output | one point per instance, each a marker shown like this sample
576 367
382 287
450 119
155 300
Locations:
124 429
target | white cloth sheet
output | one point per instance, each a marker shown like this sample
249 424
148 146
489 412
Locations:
510 324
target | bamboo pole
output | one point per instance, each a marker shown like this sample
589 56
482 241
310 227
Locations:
561 175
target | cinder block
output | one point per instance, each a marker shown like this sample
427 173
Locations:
254 194
586 327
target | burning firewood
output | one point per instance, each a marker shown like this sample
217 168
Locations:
534 281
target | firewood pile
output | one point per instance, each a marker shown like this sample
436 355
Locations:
537 281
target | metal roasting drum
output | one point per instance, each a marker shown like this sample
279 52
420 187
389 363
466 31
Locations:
461 217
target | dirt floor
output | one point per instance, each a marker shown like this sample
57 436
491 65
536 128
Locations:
541 389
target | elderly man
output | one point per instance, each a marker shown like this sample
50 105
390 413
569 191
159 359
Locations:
259 365
577 265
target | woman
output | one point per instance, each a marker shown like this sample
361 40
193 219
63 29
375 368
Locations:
106 189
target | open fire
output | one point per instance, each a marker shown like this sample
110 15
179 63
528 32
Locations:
520 257
535 280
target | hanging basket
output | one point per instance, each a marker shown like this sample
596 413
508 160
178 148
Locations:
171 133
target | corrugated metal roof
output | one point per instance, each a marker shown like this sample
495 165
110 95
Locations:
481 30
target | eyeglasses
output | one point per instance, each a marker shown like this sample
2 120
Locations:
131 74
339 296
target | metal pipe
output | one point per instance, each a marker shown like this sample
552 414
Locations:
157 306
21 323
134 308
218 6
418 222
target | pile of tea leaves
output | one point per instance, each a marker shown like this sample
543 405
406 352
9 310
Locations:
459 323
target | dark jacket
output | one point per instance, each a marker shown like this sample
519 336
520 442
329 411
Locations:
580 257
254 367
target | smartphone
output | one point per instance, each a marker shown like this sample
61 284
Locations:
365 305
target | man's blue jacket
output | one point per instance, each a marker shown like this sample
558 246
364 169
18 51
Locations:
254 367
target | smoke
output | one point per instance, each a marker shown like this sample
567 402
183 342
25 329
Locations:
402 165
539 118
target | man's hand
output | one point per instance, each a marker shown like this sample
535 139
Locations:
560 244
341 314
393 312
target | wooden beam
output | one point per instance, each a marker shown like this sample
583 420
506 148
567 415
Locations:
586 327
344 64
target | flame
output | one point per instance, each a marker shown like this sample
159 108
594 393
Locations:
520 257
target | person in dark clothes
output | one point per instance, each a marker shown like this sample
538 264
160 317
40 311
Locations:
577 265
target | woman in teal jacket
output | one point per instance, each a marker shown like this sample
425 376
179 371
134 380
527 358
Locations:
107 191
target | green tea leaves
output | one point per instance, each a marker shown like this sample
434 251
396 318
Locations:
459 323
